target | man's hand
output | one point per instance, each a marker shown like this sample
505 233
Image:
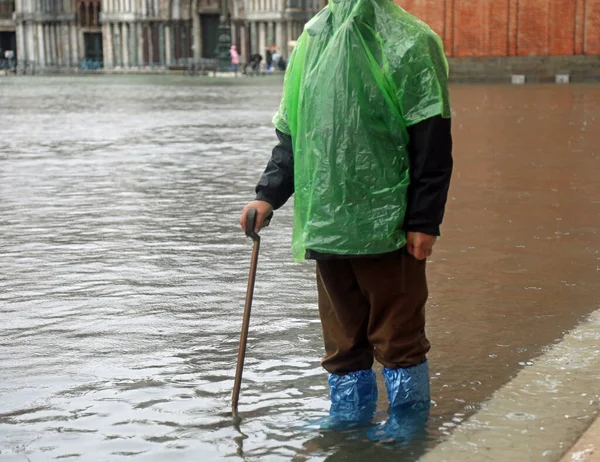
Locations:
420 245
263 210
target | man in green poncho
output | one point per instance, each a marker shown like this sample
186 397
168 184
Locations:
366 150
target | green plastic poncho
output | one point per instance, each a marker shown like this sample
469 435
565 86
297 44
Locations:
361 72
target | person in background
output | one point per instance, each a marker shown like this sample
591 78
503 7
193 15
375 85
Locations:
269 60
235 59
365 147
281 64
276 58
256 60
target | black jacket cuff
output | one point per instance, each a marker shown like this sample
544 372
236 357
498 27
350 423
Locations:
261 196
432 230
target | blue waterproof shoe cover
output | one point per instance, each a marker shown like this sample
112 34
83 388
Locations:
409 395
406 423
407 385
353 399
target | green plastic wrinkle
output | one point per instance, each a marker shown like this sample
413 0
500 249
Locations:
360 74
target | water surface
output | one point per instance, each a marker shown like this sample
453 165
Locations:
123 271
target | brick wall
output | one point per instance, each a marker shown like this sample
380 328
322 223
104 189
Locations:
495 28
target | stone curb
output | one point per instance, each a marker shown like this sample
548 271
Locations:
587 449
541 412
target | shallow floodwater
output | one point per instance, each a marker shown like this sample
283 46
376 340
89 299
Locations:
123 271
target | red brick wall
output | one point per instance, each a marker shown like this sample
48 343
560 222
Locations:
592 32
512 27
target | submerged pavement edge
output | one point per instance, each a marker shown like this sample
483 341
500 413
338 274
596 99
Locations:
541 413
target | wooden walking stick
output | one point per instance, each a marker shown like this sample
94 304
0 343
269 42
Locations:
250 224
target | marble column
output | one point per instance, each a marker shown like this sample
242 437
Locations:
197 34
41 42
125 44
262 39
168 45
60 54
243 42
66 45
161 44
107 46
132 43
22 51
149 36
290 35
43 57
74 45
51 45
47 46
270 33
253 38
54 44
60 45
31 36
55 48
117 45
140 43
279 40
46 42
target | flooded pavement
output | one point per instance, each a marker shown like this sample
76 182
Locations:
123 271
539 414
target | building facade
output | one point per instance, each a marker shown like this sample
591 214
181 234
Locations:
8 36
492 40
261 24
505 28
49 34
124 34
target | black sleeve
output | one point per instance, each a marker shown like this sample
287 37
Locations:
276 185
430 151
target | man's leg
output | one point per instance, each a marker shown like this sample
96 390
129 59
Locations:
397 292
344 312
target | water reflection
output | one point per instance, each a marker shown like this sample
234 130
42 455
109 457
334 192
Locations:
124 272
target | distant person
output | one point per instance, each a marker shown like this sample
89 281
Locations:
281 64
276 58
365 147
269 60
256 60
235 59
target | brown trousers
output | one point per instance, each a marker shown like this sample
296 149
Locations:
372 308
